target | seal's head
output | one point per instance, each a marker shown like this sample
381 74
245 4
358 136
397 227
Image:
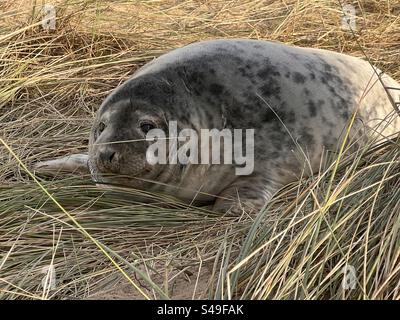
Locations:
117 143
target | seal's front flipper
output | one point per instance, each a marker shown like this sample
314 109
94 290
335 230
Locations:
248 194
75 163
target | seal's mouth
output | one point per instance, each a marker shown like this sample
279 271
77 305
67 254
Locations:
136 179
96 176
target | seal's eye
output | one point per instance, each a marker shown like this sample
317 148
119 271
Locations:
102 126
146 127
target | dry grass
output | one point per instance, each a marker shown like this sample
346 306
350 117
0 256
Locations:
51 85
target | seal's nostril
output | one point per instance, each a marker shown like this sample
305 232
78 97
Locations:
108 159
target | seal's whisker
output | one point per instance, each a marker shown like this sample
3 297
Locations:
128 141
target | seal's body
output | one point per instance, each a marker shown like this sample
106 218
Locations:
299 101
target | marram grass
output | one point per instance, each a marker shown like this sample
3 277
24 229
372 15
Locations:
87 242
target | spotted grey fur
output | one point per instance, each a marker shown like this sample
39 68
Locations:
298 100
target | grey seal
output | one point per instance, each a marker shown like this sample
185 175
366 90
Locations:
298 100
